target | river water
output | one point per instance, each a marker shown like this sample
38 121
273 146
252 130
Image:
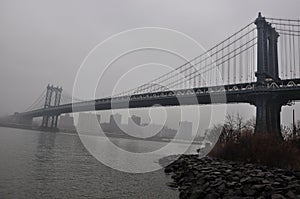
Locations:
36 164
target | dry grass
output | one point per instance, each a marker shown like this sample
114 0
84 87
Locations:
262 149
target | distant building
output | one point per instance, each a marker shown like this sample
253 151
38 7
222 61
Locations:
134 126
185 130
151 130
88 122
158 131
66 122
135 119
167 133
115 123
115 119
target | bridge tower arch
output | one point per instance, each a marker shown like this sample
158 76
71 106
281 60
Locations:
52 99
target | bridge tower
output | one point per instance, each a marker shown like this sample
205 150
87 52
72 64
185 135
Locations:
53 94
268 107
267 54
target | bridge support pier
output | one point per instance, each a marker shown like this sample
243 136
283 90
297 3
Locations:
50 122
54 120
45 121
268 115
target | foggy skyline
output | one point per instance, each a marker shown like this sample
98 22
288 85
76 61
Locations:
46 41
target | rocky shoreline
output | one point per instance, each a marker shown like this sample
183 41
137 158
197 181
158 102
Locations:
207 177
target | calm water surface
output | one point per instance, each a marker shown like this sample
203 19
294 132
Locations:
37 164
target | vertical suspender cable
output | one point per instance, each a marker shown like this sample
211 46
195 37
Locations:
285 58
298 48
234 60
223 65
228 71
246 58
241 65
294 57
252 69
216 69
290 53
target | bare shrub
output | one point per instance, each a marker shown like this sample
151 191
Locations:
262 149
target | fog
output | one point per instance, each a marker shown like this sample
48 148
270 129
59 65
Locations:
45 42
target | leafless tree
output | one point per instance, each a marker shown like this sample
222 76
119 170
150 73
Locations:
232 129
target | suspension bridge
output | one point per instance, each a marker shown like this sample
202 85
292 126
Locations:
259 65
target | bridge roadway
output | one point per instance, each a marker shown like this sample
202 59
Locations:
282 91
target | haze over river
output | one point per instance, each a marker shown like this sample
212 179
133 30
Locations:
36 164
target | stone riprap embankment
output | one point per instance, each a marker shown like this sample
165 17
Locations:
207 177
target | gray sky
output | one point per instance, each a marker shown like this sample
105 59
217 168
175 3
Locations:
45 42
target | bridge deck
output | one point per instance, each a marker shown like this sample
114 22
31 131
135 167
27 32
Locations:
285 90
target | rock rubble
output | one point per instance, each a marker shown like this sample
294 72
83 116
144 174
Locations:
207 177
